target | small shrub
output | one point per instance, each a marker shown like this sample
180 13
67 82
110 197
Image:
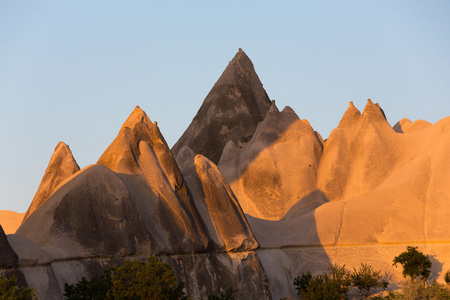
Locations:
95 289
10 291
301 282
333 284
447 277
366 279
418 289
415 263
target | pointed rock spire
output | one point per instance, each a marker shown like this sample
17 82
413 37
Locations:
350 117
61 166
122 156
231 111
373 111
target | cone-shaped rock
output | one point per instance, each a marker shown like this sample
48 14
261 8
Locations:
277 168
217 204
90 215
61 166
230 112
142 158
8 258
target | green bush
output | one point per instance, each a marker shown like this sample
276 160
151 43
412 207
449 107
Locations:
333 284
414 263
95 289
447 277
10 291
417 289
152 280
366 278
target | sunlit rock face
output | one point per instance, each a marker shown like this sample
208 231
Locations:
61 166
230 112
213 196
277 168
135 203
141 157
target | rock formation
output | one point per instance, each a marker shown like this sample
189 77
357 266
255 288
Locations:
230 112
250 198
8 258
10 220
277 168
61 166
135 203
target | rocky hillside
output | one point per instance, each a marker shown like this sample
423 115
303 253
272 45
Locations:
249 197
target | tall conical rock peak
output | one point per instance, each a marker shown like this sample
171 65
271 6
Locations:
61 166
231 111
140 150
122 156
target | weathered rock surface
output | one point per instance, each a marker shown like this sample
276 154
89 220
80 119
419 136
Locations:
230 112
8 258
277 169
135 203
213 196
61 166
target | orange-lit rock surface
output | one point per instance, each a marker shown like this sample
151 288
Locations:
277 169
250 198
10 220
61 165
135 203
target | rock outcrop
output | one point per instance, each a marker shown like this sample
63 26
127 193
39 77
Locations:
135 203
10 220
61 166
213 196
230 112
277 169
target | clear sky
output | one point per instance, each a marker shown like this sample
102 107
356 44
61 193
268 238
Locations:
73 71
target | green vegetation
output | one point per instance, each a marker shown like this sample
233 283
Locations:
153 280
10 291
414 263
366 278
337 282
447 277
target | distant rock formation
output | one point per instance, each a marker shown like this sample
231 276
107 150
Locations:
10 220
230 112
61 166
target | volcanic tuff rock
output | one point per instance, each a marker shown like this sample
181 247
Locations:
277 168
135 203
230 112
61 165
8 258
10 220
213 196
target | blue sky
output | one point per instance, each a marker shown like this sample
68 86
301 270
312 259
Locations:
73 71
